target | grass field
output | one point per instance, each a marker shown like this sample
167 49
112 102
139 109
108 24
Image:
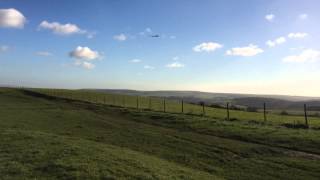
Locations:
49 137
174 106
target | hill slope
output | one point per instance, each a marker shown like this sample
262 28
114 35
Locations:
44 137
247 100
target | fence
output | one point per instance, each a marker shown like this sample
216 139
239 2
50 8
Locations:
179 106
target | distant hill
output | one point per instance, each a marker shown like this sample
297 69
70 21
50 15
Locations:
277 103
246 100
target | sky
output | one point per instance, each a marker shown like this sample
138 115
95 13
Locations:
228 46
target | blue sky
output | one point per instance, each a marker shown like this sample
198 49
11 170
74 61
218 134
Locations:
263 47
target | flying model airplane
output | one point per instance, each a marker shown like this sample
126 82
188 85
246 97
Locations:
155 36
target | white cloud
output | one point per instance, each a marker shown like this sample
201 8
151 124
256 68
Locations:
270 43
120 37
308 55
250 50
270 17
4 48
135 60
11 18
84 64
275 42
88 65
207 47
280 40
43 53
172 37
297 35
63 29
90 35
303 16
84 53
175 65
148 67
297 48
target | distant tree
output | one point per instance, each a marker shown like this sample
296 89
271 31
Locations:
201 103
284 112
252 109
216 106
316 114
234 107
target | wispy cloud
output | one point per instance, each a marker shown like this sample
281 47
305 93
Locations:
84 64
270 17
148 67
146 32
308 55
64 29
12 18
207 47
120 37
250 50
272 43
297 35
135 60
175 65
43 53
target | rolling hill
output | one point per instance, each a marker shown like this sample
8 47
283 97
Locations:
48 137
245 100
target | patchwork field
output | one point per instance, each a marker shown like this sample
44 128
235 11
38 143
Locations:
61 134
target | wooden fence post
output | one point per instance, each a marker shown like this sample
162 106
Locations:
182 110
264 112
203 111
164 105
137 102
305 115
149 103
228 114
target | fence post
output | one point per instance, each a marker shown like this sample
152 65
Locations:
228 114
305 115
137 102
182 110
203 111
124 101
164 105
264 112
149 103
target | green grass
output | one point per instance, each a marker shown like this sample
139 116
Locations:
42 137
174 106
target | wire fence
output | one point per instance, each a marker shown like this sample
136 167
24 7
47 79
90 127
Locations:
179 106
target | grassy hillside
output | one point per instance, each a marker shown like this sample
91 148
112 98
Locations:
175 106
44 137
247 100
